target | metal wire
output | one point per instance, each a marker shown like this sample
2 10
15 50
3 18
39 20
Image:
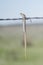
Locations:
27 18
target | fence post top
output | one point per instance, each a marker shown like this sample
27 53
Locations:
23 15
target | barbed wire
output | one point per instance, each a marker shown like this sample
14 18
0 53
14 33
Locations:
27 18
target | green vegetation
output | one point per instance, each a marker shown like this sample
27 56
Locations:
12 51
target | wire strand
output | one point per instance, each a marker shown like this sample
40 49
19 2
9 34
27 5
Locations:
27 18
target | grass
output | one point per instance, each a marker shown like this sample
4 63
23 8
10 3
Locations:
12 51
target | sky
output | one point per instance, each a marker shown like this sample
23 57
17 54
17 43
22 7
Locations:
13 8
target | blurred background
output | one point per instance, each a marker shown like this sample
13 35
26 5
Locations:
12 50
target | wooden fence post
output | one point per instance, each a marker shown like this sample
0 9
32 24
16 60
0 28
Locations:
24 30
